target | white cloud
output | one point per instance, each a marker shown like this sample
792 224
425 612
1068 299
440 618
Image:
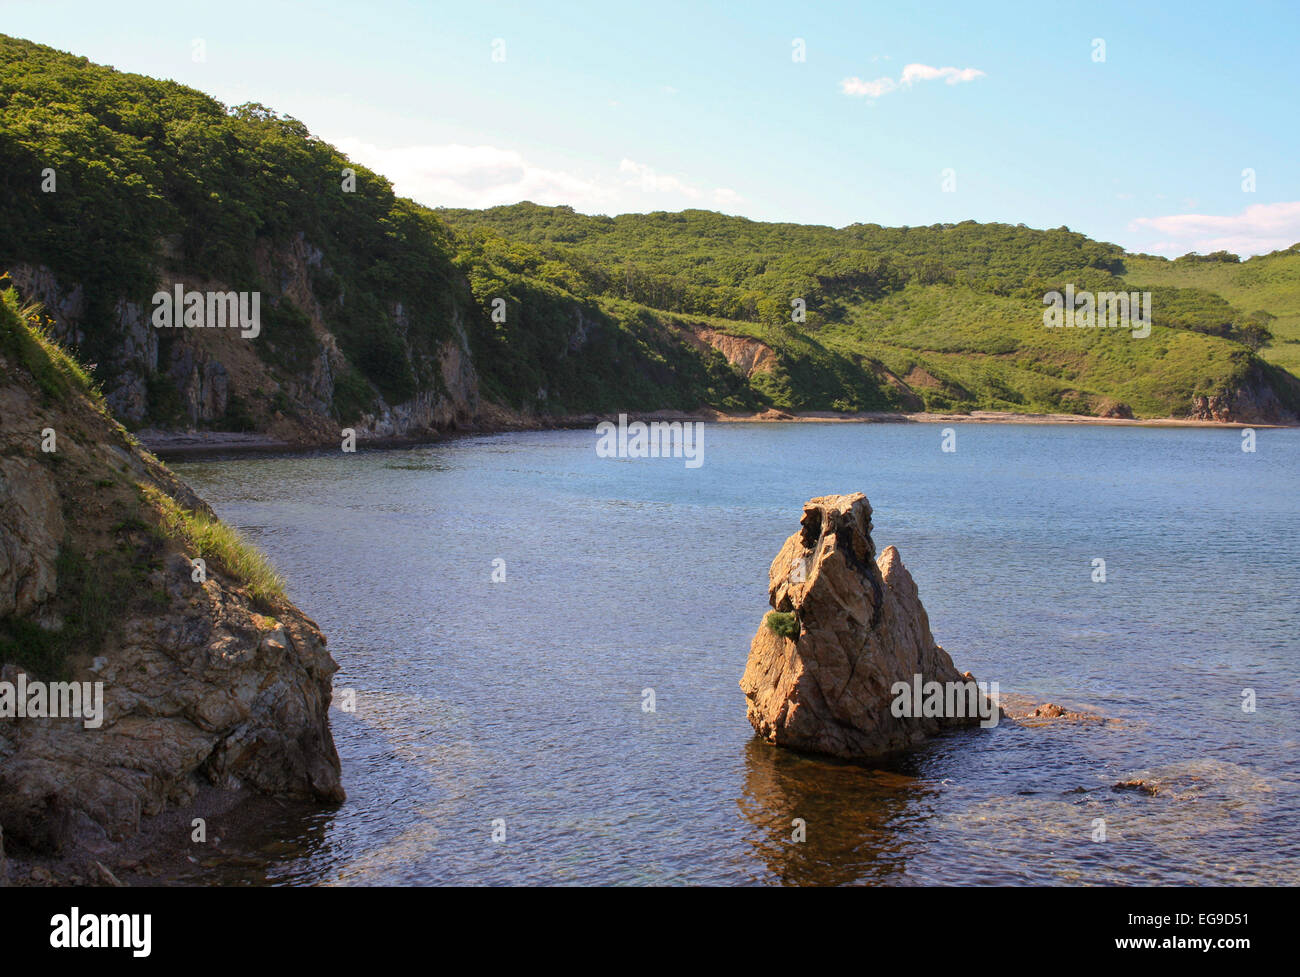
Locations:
923 72
726 199
649 180
1258 229
871 89
455 175
912 73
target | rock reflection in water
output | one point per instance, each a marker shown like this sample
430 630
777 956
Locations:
853 816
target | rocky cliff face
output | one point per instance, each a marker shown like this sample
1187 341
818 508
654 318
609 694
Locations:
861 629
282 382
747 355
1255 401
207 678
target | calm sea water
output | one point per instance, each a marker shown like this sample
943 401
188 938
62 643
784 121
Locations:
523 700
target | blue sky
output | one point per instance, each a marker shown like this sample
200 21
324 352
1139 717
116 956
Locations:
615 107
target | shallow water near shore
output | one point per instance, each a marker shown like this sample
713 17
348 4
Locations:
523 700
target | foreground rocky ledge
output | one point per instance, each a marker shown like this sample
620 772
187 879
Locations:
858 630
209 680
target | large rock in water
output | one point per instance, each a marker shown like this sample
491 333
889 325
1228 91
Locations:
861 629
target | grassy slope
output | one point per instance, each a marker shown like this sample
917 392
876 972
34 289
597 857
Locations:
997 349
1267 282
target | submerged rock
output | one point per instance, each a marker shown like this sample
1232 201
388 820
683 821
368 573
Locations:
1141 786
1026 711
861 630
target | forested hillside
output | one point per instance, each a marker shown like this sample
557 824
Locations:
954 311
367 309
382 314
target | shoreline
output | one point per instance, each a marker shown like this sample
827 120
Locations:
219 445
151 857
987 417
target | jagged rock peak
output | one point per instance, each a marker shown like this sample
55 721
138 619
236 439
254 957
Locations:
847 631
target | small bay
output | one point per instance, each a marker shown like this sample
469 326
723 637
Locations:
521 703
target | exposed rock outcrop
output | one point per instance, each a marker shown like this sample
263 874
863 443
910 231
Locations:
207 678
28 498
908 399
455 404
860 629
1106 407
282 382
746 354
1138 786
1255 400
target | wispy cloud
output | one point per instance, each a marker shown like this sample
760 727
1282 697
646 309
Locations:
912 73
953 76
454 175
1258 229
871 89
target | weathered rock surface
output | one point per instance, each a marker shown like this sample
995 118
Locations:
203 682
861 629
1255 401
1139 786
28 497
748 355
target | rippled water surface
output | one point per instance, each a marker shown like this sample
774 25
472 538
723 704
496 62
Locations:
522 700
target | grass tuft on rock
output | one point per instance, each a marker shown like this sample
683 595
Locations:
786 625
214 541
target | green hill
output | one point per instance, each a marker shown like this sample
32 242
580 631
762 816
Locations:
398 320
949 317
